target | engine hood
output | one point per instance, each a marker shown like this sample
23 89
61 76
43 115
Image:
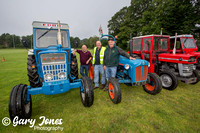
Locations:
176 58
133 63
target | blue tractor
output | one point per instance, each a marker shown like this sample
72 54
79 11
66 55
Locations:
131 73
52 69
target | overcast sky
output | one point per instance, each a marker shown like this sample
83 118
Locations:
83 16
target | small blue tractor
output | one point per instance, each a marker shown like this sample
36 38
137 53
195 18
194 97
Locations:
131 73
52 69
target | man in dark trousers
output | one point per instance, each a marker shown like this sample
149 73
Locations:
111 59
85 57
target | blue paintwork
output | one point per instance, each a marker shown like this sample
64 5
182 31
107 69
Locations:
131 71
128 76
55 87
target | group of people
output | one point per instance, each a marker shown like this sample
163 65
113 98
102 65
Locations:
105 61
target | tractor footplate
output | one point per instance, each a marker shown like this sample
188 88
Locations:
188 80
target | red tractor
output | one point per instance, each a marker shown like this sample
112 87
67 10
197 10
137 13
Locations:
185 44
170 67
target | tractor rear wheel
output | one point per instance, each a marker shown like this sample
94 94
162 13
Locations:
169 80
74 66
18 104
33 72
87 93
114 90
196 73
154 85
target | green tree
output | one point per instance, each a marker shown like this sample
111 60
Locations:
116 21
145 17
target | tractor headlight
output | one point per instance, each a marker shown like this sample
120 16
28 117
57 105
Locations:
194 67
62 75
148 64
126 66
49 76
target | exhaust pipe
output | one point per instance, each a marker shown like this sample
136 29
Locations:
59 37
174 50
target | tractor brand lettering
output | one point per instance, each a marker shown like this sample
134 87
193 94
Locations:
51 25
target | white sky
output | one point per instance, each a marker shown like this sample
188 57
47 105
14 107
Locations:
83 16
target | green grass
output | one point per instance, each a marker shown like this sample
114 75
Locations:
169 111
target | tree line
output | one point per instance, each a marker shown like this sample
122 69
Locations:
145 17
13 41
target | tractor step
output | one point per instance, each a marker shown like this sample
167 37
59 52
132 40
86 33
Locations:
187 80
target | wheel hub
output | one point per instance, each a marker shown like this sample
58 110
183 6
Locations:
166 80
27 107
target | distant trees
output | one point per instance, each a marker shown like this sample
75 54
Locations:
8 41
145 17
14 41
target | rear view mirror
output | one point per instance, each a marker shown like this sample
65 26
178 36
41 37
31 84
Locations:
25 42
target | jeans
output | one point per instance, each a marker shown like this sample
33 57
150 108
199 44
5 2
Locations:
84 68
99 69
110 73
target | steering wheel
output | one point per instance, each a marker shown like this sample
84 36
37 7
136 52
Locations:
102 38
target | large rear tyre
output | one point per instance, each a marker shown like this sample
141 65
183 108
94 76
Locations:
114 90
196 73
154 84
169 80
33 72
74 66
87 93
18 104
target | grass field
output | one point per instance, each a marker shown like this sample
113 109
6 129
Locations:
169 111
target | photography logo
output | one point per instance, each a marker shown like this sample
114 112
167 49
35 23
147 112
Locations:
46 124
6 121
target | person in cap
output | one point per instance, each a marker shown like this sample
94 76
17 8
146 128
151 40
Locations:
98 65
111 59
85 57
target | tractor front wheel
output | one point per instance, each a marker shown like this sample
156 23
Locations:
196 73
86 92
154 84
169 80
18 104
114 90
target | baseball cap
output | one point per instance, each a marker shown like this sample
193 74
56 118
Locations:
110 38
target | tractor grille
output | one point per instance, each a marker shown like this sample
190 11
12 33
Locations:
54 70
138 73
145 71
54 67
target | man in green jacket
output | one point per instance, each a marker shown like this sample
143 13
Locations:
111 59
98 65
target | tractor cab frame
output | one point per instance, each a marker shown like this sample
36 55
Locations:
170 67
185 44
